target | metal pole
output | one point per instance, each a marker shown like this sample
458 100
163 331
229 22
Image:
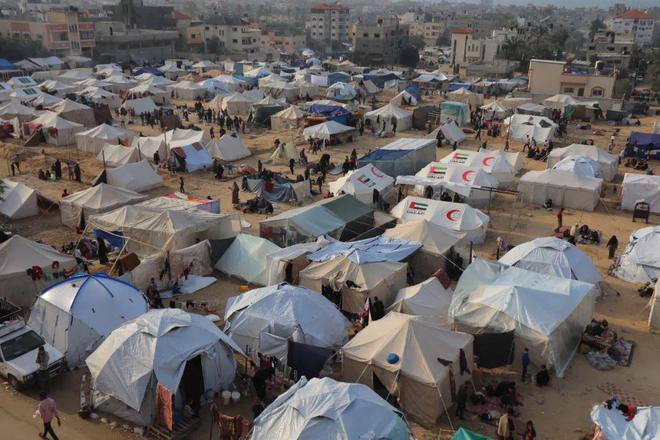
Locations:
103 156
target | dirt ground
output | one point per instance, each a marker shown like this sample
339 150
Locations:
560 411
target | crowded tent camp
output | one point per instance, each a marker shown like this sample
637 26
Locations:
330 238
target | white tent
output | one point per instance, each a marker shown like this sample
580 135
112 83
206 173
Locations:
423 386
263 319
76 314
362 182
118 155
278 260
230 83
341 91
514 159
640 262
19 254
156 80
166 339
565 188
402 98
18 200
95 200
559 101
148 145
654 309
13 109
118 83
180 137
21 82
428 298
283 153
609 162
640 187
458 219
56 130
58 87
187 90
44 100
553 256
493 164
93 140
453 178
546 313
171 71
237 104
258 72
496 110
204 65
74 112
307 90
140 105
135 176
367 280
527 127
228 148
581 165
290 117
387 114
246 259
145 89
196 156
611 424
326 130
281 89
100 96
451 131
465 96
324 408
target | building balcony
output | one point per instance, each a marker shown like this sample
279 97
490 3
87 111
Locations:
58 45
87 43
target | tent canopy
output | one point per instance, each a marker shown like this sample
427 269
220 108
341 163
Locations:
609 162
428 298
581 165
246 258
228 148
94 200
326 130
640 261
614 425
369 250
93 140
640 187
362 182
402 156
565 188
18 200
134 176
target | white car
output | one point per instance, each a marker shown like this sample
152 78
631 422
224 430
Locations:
19 345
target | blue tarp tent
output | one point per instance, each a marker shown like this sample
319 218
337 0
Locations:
456 86
644 144
331 112
336 77
148 69
403 157
380 78
6 65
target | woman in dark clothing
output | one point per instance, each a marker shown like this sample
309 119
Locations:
259 380
612 244
530 432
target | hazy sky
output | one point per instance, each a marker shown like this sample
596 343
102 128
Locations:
642 4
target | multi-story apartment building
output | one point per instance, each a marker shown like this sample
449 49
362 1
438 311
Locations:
118 43
285 43
547 77
60 32
613 50
235 36
638 24
381 41
327 23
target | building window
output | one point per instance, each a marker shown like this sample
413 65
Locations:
569 90
597 91
376 35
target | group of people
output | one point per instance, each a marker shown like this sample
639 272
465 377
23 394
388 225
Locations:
55 171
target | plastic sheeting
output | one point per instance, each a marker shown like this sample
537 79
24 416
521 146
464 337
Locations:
324 408
614 426
157 346
271 315
548 314
281 190
402 156
278 260
640 187
524 127
640 262
609 162
565 188
370 250
428 298
75 315
246 259
582 165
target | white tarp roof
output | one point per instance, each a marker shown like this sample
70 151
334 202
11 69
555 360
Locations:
609 162
324 408
582 165
614 425
165 340
13 109
401 98
140 105
18 200
278 260
428 298
76 314
369 250
494 164
559 101
387 113
452 132
362 182
18 254
181 136
640 262
246 258
197 157
434 239
456 218
460 179
135 176
94 200
547 312
228 148
93 140
553 256
341 90
538 128
52 120
640 187
325 130
565 188
282 311
118 155
497 108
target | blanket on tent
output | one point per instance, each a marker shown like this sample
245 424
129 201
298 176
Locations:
280 189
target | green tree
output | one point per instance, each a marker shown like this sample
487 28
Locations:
409 57
15 50
653 70
416 41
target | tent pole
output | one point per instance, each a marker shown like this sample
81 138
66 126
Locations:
442 399
103 154
118 255
139 152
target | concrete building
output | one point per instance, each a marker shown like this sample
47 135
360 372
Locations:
379 42
612 49
467 49
135 15
287 44
327 23
638 24
235 37
547 78
430 31
117 43
61 31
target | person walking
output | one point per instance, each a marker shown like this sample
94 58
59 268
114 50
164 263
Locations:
48 411
181 188
505 427
525 364
560 219
76 172
42 360
461 401
612 245
292 164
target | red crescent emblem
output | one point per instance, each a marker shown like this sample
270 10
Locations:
455 155
487 160
467 174
450 214
373 171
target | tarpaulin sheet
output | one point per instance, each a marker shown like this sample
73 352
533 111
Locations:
381 154
492 350
645 139
367 251
307 360
114 239
278 192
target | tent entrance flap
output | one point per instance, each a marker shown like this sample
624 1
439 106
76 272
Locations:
493 350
